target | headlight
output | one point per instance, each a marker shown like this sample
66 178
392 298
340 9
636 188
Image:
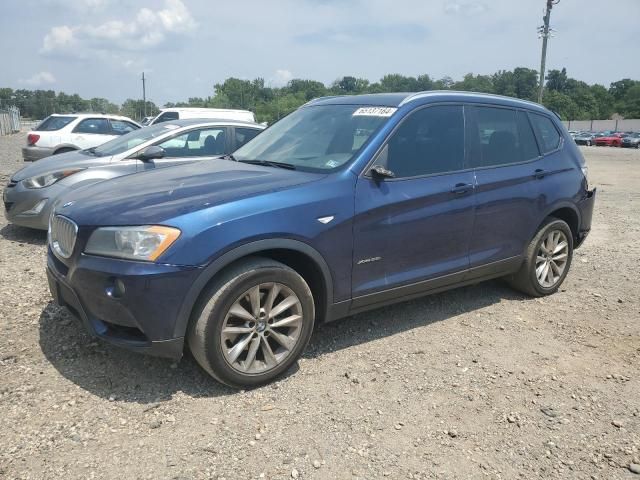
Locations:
47 179
146 242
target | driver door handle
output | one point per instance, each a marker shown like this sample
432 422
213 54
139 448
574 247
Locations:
461 188
539 173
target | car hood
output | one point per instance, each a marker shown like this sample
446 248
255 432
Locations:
157 196
55 163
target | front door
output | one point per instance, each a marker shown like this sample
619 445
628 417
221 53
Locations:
199 144
414 227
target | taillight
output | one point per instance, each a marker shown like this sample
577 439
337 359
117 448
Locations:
32 138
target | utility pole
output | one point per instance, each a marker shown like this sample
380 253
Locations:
543 32
144 95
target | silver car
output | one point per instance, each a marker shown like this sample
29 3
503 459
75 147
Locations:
32 191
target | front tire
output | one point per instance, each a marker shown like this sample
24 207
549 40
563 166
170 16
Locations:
252 323
547 262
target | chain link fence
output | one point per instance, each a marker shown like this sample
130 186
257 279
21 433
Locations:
9 120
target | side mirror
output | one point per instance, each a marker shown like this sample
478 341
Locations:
379 172
151 153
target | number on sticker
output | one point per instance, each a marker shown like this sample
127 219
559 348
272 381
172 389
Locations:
375 111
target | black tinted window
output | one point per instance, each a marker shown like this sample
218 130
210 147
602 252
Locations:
243 135
50 124
120 127
505 137
429 141
547 134
94 125
166 116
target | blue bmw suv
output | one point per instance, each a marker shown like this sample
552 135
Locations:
347 204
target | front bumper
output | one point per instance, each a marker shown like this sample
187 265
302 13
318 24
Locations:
18 201
586 214
630 145
141 316
31 153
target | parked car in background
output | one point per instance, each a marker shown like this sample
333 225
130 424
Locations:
631 141
168 114
33 190
584 138
347 204
77 131
609 140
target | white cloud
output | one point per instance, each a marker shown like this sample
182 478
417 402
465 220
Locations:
281 78
40 78
467 9
147 30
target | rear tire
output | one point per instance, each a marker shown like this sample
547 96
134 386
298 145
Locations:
252 323
547 262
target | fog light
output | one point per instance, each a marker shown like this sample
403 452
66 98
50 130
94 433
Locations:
37 208
114 288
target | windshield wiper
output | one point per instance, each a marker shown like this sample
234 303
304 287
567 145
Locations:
269 163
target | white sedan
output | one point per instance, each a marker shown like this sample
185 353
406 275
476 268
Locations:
65 133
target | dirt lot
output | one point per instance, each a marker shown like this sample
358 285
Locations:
480 382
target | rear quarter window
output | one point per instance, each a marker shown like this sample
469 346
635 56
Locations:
51 124
547 133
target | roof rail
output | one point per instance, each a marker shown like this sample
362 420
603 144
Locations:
317 99
426 93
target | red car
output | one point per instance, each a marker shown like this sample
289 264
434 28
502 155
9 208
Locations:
611 140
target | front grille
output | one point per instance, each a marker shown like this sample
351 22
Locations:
7 206
62 235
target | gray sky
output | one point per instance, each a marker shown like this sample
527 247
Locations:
98 48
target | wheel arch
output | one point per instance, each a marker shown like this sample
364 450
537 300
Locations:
568 213
64 146
299 256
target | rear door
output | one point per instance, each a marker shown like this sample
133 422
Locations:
91 132
415 226
505 157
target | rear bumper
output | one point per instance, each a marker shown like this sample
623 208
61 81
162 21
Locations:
586 214
31 153
142 318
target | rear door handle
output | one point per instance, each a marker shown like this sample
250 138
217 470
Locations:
461 188
539 173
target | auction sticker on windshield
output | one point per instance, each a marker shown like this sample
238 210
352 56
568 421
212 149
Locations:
375 111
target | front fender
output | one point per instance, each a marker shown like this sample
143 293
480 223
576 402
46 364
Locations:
247 249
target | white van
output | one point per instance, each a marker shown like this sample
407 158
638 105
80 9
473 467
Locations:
167 114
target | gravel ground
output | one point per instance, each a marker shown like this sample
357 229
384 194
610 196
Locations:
479 382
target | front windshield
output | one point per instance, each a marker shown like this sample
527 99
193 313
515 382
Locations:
316 138
131 140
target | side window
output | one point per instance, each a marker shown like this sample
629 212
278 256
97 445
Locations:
505 137
429 141
243 135
546 132
120 127
93 125
166 116
196 143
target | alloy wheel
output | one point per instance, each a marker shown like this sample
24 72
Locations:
261 328
551 259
